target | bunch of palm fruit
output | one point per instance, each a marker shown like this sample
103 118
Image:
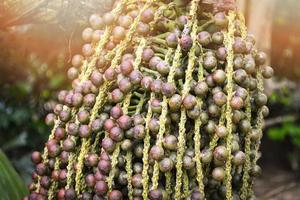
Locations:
166 102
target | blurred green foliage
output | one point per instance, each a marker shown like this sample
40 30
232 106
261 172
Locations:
287 129
28 86
11 185
282 96
283 126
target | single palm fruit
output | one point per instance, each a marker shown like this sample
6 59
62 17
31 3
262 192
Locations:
166 102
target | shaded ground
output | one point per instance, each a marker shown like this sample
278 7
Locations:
277 184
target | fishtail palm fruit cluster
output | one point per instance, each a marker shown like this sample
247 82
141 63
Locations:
166 102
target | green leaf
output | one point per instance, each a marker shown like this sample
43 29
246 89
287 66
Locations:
23 88
17 141
11 185
56 81
292 129
296 141
45 94
277 134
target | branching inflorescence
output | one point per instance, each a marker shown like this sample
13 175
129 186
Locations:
166 102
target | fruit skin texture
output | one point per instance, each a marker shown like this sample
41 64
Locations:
163 105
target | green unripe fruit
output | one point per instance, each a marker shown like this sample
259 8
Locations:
116 134
194 113
175 102
168 89
204 38
137 168
143 28
163 68
239 46
172 40
72 73
117 95
219 77
265 111
170 142
147 15
137 181
139 132
221 19
83 116
237 103
125 122
238 62
240 76
69 145
206 156
209 62
118 33
261 99
201 89
221 131
186 42
84 131
189 102
138 150
239 158
267 72
220 153
156 86
188 162
245 126
50 119
237 116
156 106
221 53
147 54
218 174
260 58
126 145
125 85
154 125
125 21
156 153
249 65
220 98
156 194
214 110
255 134
210 127
166 165
241 92
256 171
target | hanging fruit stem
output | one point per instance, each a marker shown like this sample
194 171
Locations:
197 135
186 88
88 66
229 39
247 166
163 119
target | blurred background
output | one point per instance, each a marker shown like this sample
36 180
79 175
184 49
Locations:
38 37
